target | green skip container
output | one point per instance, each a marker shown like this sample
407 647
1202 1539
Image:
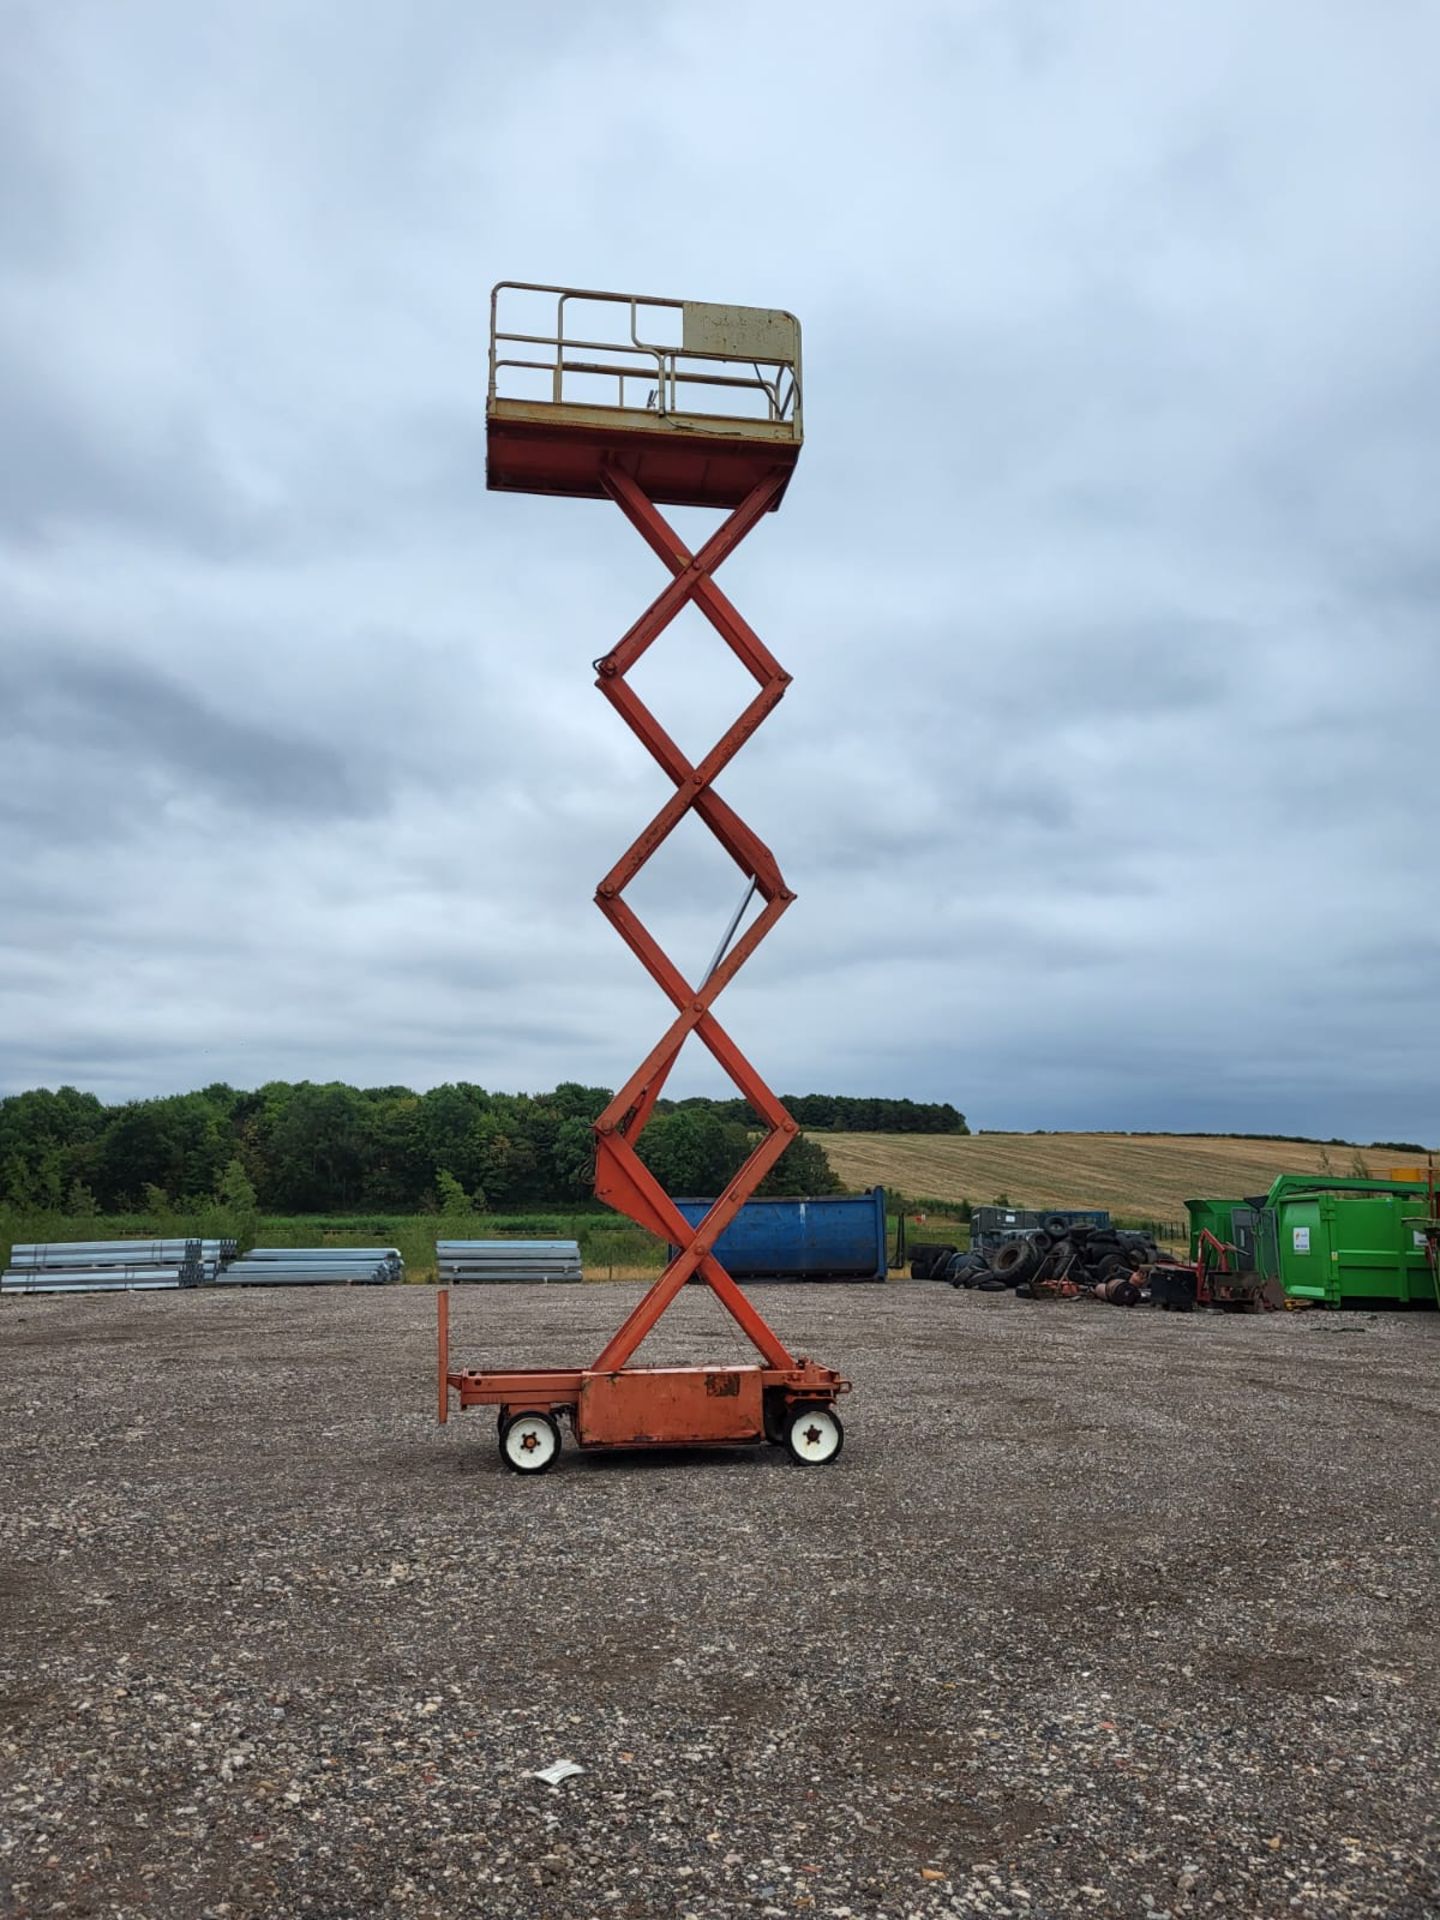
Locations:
1356 1242
1212 1216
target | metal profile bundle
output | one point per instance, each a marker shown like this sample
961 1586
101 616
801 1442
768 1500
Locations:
498 1262
113 1266
93 1280
283 1256
243 1273
99 1253
316 1267
719 426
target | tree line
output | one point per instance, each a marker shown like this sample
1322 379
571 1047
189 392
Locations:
847 1113
308 1148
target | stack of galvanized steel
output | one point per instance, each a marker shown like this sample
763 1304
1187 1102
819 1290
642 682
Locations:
495 1262
113 1266
315 1267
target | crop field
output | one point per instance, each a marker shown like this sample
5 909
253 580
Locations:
1139 1176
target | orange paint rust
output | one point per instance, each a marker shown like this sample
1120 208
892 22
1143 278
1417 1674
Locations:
670 1407
442 1331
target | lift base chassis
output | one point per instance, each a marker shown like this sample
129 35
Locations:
655 1406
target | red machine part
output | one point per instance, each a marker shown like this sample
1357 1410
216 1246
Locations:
1221 1282
1206 1270
787 1400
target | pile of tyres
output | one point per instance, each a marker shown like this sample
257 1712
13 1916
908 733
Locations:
1093 1259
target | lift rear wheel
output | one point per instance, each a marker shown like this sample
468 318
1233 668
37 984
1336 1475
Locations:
814 1435
530 1443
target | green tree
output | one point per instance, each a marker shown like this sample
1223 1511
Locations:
400 1169
178 1143
237 1200
135 1149
454 1202
580 1103
80 1202
15 1182
574 1160
802 1169
48 1178
505 1161
692 1152
317 1147
446 1122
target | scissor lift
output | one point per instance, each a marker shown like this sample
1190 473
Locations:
651 402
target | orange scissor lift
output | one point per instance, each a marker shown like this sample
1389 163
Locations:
651 402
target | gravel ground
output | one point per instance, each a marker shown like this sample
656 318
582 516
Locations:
1099 1613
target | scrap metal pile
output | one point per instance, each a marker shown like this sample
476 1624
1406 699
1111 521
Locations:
1064 1258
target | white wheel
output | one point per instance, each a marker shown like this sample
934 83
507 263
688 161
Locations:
814 1435
530 1443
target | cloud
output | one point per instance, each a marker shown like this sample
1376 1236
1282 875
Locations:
117 727
1107 577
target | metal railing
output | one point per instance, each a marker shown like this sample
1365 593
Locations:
766 341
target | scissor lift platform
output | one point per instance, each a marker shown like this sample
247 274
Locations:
694 402
646 401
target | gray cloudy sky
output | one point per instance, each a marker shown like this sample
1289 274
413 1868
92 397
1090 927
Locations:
1108 579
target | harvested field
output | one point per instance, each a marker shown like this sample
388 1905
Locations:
1100 1613
1141 1176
